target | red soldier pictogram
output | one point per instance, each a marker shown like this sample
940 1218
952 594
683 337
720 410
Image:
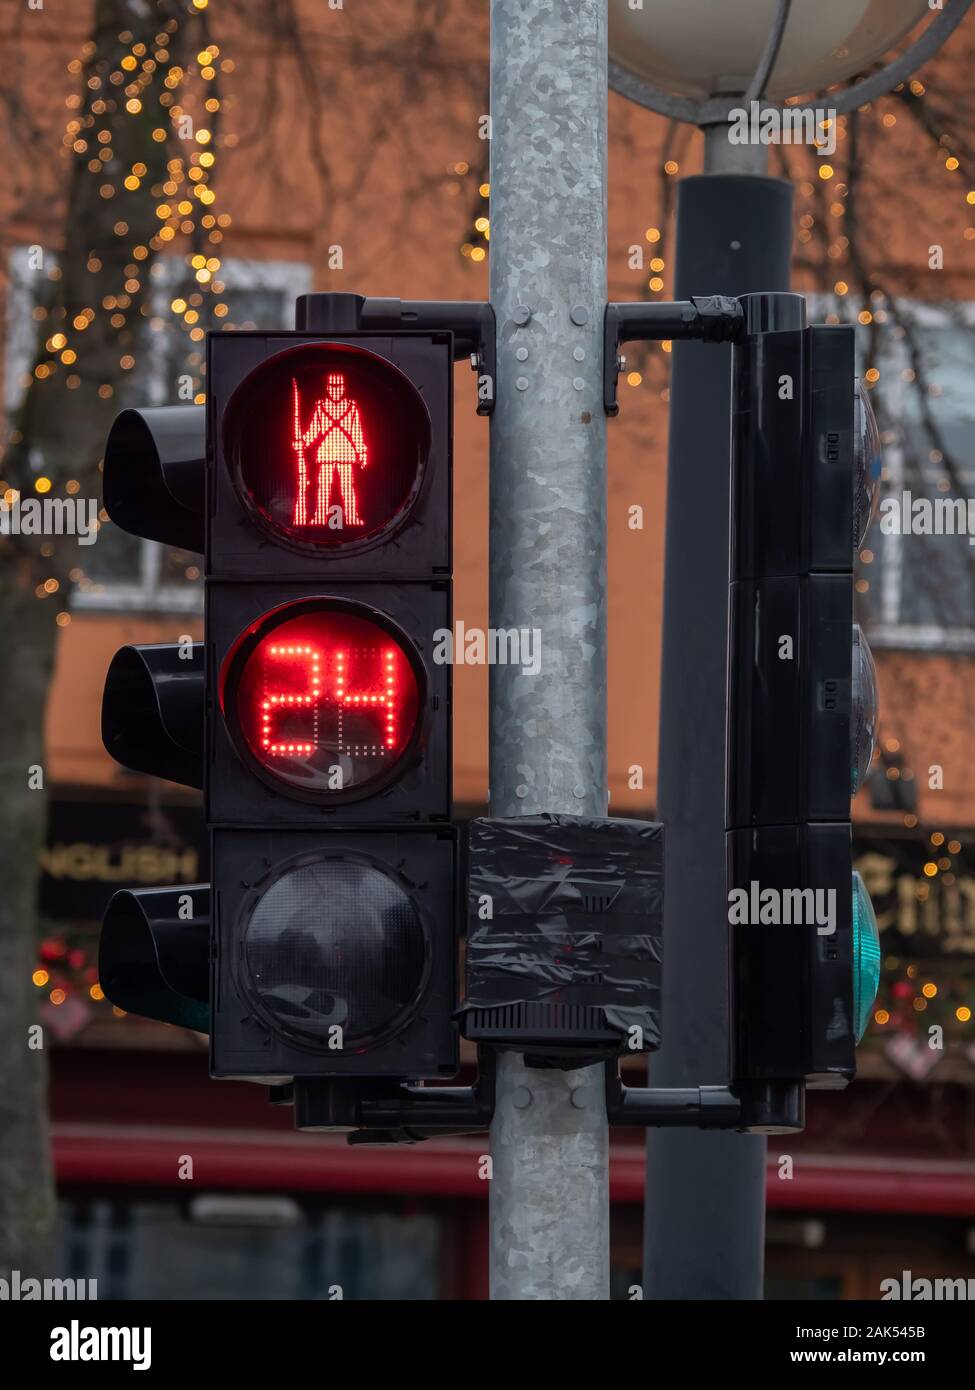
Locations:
335 434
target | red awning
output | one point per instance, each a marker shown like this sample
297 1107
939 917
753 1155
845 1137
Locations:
118 1156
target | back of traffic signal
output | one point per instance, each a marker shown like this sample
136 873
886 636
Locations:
323 957
802 710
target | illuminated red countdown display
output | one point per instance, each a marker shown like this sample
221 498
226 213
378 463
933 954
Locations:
323 697
327 445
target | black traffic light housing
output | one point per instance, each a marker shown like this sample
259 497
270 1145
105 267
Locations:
328 717
409 381
798 721
294 874
376 995
311 882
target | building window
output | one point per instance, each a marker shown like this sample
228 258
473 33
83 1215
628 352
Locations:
122 572
917 591
250 1246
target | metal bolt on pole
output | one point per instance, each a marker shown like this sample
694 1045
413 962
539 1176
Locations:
549 1140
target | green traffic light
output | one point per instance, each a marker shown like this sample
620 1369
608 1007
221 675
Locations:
866 956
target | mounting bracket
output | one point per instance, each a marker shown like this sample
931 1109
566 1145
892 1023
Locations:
388 1112
471 322
709 318
657 1107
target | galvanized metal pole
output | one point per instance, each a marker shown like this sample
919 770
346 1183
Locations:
549 1139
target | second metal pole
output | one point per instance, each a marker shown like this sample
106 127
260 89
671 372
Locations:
705 1210
549 1139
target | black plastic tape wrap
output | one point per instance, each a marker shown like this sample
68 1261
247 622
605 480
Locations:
576 916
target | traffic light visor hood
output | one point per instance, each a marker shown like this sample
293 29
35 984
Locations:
867 464
153 480
153 710
153 954
866 956
865 704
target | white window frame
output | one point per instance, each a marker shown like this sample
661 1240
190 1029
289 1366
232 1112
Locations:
147 593
890 631
22 327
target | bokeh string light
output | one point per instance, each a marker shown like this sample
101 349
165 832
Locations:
178 107
186 201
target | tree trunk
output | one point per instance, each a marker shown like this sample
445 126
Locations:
60 433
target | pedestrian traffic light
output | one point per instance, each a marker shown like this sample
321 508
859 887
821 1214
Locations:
801 709
328 723
314 714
